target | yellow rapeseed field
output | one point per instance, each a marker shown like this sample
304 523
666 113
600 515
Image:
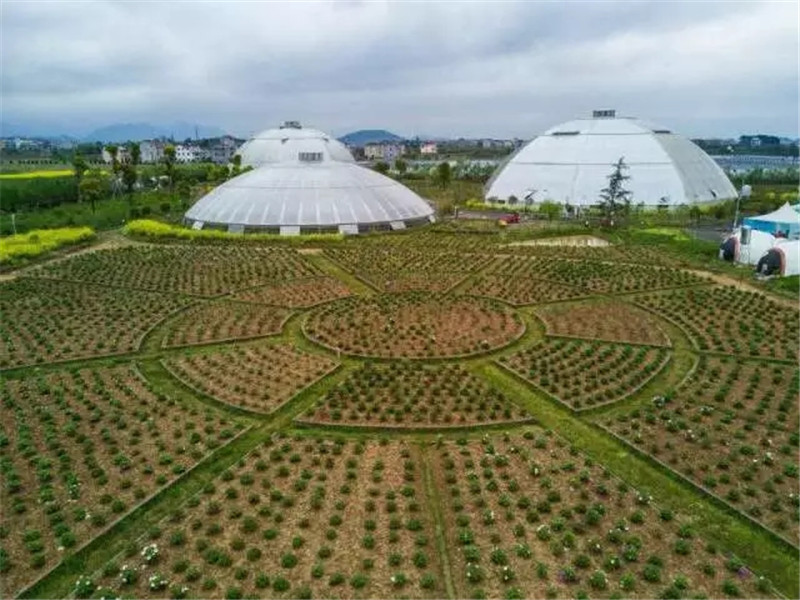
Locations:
39 241
37 174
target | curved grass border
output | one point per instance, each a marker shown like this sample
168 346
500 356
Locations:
399 429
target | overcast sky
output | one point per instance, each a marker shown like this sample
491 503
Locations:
447 69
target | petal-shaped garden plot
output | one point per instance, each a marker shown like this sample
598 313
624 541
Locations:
81 448
46 321
587 374
297 293
408 395
224 320
732 428
726 319
414 325
609 321
200 270
257 378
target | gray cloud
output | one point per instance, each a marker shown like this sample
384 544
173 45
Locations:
438 68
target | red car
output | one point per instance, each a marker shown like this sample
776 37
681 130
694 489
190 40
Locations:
511 218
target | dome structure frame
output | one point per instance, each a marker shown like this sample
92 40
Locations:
570 164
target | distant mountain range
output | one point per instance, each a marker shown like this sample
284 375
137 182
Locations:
122 132
369 136
119 132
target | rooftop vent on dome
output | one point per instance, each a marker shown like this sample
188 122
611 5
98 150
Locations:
291 125
604 114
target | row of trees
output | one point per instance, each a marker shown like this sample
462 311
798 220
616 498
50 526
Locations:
93 185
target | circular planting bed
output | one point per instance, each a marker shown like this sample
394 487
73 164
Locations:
414 325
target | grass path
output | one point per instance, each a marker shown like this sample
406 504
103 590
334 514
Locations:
435 502
328 267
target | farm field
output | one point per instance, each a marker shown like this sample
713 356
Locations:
527 518
428 414
724 319
725 431
200 270
414 325
402 270
297 293
606 321
223 320
520 291
594 276
407 395
584 374
44 321
255 378
79 449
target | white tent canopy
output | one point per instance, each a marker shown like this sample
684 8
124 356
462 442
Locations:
784 219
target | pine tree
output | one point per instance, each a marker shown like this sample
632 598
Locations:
615 197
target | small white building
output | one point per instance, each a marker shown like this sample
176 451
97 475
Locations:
428 148
151 151
387 151
222 150
123 155
189 153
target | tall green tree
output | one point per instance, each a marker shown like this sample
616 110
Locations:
114 153
615 199
169 164
400 166
79 168
93 187
129 177
381 167
444 174
237 164
136 154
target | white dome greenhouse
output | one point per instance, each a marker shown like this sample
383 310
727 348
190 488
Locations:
307 184
285 143
570 164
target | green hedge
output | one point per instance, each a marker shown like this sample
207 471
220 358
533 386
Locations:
155 230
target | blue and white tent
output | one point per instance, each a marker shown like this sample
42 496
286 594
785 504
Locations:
785 220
